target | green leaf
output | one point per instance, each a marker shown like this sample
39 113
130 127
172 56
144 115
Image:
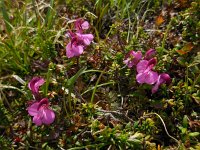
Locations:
49 16
183 130
196 60
6 17
72 80
185 121
194 134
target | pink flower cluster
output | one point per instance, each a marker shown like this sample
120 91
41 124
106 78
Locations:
79 40
39 108
144 67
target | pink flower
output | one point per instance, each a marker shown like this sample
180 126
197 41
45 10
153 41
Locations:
41 112
132 58
145 73
79 41
162 79
86 39
34 85
150 54
77 44
73 49
81 25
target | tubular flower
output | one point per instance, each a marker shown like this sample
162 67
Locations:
150 54
77 44
145 73
41 112
81 25
132 58
162 79
34 85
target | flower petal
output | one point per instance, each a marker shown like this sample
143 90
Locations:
129 63
37 120
141 77
78 50
85 25
142 65
151 77
48 116
166 78
132 58
73 50
155 88
136 56
85 38
69 51
151 63
35 83
33 109
81 25
162 78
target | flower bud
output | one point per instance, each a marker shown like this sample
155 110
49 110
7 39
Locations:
150 54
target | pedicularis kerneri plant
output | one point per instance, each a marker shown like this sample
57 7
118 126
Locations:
39 107
145 69
79 40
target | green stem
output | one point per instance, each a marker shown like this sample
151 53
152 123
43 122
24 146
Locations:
195 81
166 33
129 27
186 88
92 71
70 101
47 80
95 88
112 82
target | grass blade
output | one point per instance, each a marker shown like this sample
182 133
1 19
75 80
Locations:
6 17
49 16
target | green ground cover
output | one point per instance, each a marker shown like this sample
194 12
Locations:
99 101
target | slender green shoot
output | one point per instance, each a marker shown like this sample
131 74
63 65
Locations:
95 88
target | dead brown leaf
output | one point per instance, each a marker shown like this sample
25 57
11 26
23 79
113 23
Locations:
187 48
159 20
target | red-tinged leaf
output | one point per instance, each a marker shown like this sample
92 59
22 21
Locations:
159 20
194 124
17 139
187 48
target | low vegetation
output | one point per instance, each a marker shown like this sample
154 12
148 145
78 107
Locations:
104 75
